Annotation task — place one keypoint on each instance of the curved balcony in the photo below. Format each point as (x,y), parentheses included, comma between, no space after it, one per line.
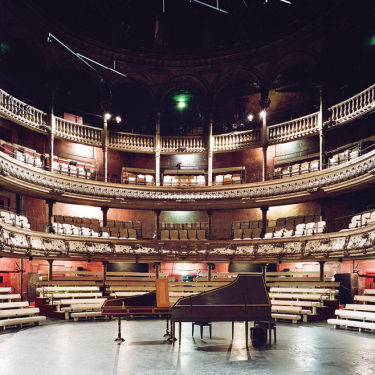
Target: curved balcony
(26,179)
(348,245)
(305,126)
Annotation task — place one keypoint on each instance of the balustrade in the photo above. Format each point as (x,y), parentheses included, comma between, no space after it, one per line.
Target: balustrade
(131,142)
(77,132)
(184,144)
(294,129)
(352,107)
(22,112)
(236,141)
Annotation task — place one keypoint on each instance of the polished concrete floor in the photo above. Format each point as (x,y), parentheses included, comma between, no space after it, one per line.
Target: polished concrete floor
(88,347)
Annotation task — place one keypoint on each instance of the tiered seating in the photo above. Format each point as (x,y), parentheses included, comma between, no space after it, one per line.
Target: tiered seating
(345,156)
(295,169)
(356,316)
(73,169)
(16,313)
(178,180)
(73,301)
(16,220)
(292,303)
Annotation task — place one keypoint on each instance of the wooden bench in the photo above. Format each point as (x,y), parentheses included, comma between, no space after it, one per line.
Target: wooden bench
(5,290)
(9,297)
(17,313)
(64,289)
(364,299)
(369,292)
(301,284)
(357,307)
(311,304)
(86,314)
(71,295)
(293,317)
(298,296)
(321,291)
(70,302)
(81,308)
(351,323)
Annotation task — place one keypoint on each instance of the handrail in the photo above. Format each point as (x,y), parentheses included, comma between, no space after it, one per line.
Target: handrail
(131,142)
(236,141)
(183,144)
(77,132)
(353,107)
(294,129)
(360,292)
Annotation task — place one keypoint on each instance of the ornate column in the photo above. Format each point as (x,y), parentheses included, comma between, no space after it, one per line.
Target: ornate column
(50,261)
(104,266)
(50,204)
(157,150)
(321,269)
(52,124)
(264,103)
(105,105)
(210,150)
(209,273)
(321,130)
(157,220)
(209,214)
(264,210)
(264,269)
(105,215)
(157,270)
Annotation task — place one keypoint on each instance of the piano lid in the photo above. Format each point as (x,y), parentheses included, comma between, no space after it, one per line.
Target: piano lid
(148,299)
(245,290)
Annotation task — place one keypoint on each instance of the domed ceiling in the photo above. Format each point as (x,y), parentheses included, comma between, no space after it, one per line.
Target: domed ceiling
(183,26)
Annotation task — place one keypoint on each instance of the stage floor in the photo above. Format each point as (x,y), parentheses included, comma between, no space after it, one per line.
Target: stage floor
(88,347)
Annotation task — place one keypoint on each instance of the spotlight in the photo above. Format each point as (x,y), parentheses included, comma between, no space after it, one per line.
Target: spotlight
(181,104)
(263,114)
(89,260)
(250,117)
(340,260)
(30,258)
(107,116)
(118,119)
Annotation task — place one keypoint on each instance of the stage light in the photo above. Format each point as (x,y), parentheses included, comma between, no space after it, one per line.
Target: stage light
(263,114)
(118,119)
(250,117)
(181,104)
(107,116)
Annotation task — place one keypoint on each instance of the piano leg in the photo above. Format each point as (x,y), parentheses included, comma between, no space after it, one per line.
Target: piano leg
(168,332)
(179,332)
(269,331)
(119,338)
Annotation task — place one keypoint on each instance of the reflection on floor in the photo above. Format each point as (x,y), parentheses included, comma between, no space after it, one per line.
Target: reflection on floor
(61,347)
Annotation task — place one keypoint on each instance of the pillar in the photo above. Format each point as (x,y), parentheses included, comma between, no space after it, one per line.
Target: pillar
(104,270)
(105,215)
(157,220)
(210,151)
(209,273)
(105,148)
(52,125)
(50,261)
(264,103)
(264,163)
(322,203)
(50,204)
(321,270)
(321,131)
(264,210)
(157,270)
(210,213)
(157,150)
(264,269)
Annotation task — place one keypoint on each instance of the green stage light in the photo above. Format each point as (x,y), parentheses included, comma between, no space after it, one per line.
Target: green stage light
(181,104)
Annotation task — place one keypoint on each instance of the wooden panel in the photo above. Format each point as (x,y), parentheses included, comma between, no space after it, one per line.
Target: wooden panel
(162,293)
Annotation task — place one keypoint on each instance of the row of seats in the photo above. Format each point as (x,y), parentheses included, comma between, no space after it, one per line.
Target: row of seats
(183,234)
(139,179)
(91,222)
(363,219)
(175,226)
(72,230)
(279,232)
(184,180)
(14,312)
(72,170)
(296,169)
(16,220)
(280,222)
(228,179)
(344,157)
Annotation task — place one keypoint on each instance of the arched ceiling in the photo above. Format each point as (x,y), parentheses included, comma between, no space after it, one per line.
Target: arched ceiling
(182,26)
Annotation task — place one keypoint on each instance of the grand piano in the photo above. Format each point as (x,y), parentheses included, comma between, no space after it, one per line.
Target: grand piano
(244,299)
(155,303)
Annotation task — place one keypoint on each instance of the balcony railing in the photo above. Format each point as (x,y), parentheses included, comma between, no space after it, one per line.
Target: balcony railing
(78,133)
(131,142)
(352,107)
(294,129)
(22,113)
(236,141)
(186,144)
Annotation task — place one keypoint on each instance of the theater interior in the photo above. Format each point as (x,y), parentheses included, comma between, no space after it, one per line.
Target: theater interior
(182,161)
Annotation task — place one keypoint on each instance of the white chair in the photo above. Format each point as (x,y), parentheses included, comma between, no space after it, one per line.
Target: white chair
(320,227)
(219,180)
(310,229)
(167,181)
(149,180)
(201,181)
(300,230)
(355,222)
